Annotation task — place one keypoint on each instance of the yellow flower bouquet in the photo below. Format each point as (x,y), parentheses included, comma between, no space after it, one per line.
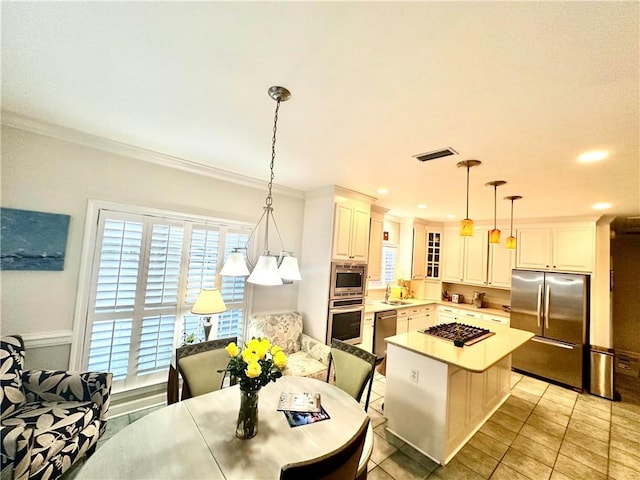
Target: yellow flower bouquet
(256,365)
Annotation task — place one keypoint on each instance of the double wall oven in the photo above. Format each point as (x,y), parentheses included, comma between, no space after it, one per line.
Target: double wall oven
(346,302)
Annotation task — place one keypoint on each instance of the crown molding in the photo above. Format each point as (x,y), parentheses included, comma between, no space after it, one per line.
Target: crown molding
(14,120)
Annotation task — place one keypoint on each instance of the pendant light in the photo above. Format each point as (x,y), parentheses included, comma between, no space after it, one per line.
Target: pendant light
(494,235)
(466,225)
(511,241)
(269,269)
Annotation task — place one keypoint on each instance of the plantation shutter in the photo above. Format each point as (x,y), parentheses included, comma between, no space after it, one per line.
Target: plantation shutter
(148,272)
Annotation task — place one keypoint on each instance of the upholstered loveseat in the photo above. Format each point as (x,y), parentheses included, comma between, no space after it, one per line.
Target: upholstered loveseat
(308,357)
(49,418)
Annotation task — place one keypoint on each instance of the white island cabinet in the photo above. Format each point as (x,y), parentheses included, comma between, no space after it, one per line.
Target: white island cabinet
(438,395)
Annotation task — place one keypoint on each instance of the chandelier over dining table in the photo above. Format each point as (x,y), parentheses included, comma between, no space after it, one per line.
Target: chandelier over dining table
(269,269)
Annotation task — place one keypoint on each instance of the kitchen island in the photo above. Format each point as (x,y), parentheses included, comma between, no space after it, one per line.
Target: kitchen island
(438,395)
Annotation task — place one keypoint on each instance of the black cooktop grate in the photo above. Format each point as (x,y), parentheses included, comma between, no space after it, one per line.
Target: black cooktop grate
(468,333)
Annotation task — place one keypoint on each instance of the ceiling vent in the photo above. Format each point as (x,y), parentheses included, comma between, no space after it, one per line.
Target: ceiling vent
(443,152)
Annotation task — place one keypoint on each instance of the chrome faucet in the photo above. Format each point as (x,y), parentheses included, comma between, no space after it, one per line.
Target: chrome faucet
(387,292)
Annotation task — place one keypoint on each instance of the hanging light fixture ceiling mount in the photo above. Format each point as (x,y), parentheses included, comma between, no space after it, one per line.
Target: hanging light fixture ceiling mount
(494,235)
(466,225)
(268,269)
(511,241)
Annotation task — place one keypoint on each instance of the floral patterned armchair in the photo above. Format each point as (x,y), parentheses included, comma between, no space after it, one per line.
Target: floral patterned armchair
(308,357)
(49,418)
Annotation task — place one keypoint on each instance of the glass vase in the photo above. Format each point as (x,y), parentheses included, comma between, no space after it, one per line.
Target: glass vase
(247,425)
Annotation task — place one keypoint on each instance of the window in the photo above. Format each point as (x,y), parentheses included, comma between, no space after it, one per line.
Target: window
(389,263)
(147,273)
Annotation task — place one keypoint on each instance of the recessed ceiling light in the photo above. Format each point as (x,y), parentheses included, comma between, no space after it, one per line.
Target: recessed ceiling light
(593,156)
(421,205)
(601,206)
(451,215)
(382,191)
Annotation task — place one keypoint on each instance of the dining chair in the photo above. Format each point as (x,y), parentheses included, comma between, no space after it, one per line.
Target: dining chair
(198,364)
(341,464)
(353,369)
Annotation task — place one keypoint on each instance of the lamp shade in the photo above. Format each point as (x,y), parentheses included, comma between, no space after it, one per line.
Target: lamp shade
(466,227)
(265,272)
(235,266)
(511,243)
(209,302)
(494,236)
(289,269)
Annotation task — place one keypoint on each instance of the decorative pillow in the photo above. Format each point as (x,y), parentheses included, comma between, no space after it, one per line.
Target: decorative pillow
(282,329)
(11,367)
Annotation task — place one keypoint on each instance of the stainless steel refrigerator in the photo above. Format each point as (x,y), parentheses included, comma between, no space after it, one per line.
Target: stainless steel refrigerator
(555,307)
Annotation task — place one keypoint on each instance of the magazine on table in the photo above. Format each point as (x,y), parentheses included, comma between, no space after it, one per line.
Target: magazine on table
(299,402)
(296,419)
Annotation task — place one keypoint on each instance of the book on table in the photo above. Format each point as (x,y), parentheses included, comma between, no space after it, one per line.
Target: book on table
(299,402)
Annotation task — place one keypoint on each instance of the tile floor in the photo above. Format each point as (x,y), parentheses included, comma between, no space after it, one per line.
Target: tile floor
(541,432)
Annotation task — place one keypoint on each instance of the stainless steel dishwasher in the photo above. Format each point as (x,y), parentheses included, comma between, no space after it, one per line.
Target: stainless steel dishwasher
(384,325)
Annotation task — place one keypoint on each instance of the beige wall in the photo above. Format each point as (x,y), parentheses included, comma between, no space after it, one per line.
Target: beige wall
(46,174)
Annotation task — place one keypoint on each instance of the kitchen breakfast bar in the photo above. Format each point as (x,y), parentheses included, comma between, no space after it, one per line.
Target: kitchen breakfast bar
(438,395)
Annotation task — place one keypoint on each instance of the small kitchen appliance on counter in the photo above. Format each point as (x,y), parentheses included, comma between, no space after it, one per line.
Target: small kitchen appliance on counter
(457,298)
(478,299)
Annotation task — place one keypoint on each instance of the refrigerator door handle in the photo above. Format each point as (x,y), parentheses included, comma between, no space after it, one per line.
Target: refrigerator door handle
(551,342)
(546,306)
(538,304)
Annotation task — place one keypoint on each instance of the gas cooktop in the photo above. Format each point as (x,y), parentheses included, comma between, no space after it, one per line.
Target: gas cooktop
(451,331)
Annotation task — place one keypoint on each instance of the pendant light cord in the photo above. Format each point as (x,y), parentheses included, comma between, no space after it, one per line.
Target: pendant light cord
(495,205)
(511,226)
(269,200)
(467,191)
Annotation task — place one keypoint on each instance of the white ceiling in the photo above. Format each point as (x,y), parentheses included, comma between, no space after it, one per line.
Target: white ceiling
(523,87)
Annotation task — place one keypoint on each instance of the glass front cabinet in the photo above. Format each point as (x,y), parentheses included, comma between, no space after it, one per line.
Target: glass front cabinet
(434,239)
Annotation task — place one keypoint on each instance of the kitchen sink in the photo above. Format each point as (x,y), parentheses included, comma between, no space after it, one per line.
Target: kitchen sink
(396,302)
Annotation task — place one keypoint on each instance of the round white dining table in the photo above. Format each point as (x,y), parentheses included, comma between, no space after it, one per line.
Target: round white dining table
(195,438)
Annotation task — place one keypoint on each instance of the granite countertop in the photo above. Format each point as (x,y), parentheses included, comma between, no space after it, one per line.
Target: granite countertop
(373,306)
(475,358)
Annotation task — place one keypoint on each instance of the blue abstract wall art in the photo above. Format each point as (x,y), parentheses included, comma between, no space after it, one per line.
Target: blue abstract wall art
(32,240)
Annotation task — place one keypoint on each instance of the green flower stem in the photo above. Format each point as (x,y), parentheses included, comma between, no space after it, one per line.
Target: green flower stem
(247,425)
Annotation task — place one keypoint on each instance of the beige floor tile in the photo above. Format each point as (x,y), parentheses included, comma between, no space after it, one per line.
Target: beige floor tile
(624,431)
(580,454)
(504,472)
(379,388)
(592,444)
(489,445)
(477,460)
(625,458)
(596,402)
(560,397)
(455,470)
(531,388)
(577,470)
(547,411)
(556,475)
(546,425)
(382,449)
(379,474)
(625,445)
(536,450)
(400,466)
(586,408)
(507,421)
(527,466)
(550,406)
(498,432)
(619,471)
(589,429)
(591,420)
(518,413)
(544,438)
(423,460)
(525,395)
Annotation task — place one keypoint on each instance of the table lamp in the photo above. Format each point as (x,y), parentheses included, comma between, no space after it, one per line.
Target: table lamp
(209,302)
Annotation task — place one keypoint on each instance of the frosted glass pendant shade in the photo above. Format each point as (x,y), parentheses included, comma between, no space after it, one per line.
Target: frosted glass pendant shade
(209,302)
(235,266)
(265,272)
(466,227)
(289,269)
(494,236)
(511,243)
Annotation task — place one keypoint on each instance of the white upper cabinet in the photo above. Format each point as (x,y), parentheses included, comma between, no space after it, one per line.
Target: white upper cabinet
(464,259)
(419,253)
(351,231)
(564,247)
(501,261)
(434,252)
